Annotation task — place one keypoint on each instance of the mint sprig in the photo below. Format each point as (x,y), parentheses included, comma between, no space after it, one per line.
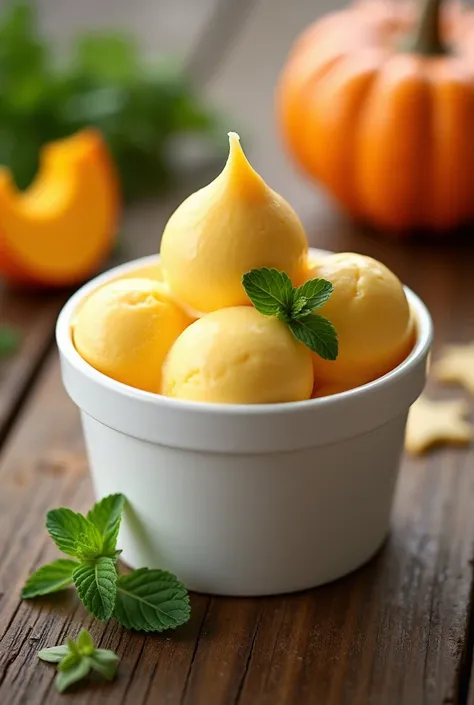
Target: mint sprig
(273,294)
(76,659)
(147,600)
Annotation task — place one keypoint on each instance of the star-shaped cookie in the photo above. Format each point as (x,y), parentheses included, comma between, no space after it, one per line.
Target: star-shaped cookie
(433,423)
(456,364)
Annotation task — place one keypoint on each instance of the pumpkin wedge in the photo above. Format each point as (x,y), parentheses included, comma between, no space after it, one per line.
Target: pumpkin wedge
(59,231)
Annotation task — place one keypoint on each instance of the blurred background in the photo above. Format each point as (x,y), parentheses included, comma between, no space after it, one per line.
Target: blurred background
(233,51)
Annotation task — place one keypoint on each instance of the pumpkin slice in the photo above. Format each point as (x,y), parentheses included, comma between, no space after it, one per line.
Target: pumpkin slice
(59,231)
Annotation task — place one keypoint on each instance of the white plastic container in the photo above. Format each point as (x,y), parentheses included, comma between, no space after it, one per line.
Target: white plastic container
(246,500)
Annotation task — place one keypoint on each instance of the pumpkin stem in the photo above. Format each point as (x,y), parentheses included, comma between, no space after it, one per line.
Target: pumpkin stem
(427,39)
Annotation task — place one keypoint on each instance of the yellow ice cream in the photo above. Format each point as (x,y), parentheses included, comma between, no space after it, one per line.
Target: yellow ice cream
(372,317)
(125,329)
(234,224)
(238,356)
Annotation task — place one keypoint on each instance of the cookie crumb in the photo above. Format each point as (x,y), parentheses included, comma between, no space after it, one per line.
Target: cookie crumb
(456,364)
(431,423)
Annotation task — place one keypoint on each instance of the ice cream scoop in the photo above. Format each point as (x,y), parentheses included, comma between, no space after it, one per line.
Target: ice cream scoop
(238,356)
(235,224)
(372,317)
(125,329)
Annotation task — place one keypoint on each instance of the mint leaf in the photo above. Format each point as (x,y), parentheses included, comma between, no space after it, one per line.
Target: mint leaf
(106,516)
(317,333)
(85,643)
(55,654)
(72,646)
(105,662)
(50,578)
(96,586)
(151,601)
(269,290)
(65,527)
(89,546)
(76,659)
(71,658)
(316,292)
(74,673)
(297,306)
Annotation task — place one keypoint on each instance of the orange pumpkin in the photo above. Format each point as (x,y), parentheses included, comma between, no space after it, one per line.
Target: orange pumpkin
(61,229)
(382,113)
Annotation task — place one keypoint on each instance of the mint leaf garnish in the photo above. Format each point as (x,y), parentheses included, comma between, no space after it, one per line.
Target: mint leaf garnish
(317,333)
(106,516)
(65,527)
(151,601)
(96,586)
(269,290)
(315,293)
(272,294)
(50,578)
(76,659)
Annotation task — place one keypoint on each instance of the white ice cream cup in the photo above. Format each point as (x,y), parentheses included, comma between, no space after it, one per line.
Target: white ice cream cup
(246,500)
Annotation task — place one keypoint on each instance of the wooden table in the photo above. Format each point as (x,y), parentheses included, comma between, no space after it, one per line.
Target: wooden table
(400,631)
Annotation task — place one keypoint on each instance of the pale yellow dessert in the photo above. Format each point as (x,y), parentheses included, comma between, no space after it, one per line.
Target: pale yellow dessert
(125,329)
(235,224)
(371,314)
(238,356)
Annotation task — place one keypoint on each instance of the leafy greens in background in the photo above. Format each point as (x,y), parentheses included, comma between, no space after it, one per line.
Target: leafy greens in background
(9,340)
(139,108)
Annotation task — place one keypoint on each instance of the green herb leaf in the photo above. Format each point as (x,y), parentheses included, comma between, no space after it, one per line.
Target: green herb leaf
(85,643)
(106,516)
(105,662)
(269,290)
(72,646)
(75,673)
(70,660)
(318,334)
(89,546)
(65,527)
(315,292)
(54,654)
(297,306)
(75,660)
(151,601)
(96,586)
(9,340)
(50,578)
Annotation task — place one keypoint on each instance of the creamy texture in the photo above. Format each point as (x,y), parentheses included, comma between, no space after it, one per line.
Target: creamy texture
(125,329)
(235,224)
(237,355)
(372,317)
